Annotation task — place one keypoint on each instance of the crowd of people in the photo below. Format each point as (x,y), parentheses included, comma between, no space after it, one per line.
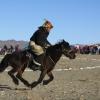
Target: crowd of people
(87,49)
(80,49)
(5,49)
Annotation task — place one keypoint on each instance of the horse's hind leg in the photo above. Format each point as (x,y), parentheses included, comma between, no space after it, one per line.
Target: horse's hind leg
(19,76)
(11,74)
(51,77)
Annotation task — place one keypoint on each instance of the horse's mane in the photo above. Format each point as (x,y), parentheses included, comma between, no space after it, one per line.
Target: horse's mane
(57,45)
(59,42)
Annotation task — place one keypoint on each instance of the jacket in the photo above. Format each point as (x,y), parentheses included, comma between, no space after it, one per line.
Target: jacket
(40,37)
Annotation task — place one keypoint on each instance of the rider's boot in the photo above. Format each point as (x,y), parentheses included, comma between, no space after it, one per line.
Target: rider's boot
(37,64)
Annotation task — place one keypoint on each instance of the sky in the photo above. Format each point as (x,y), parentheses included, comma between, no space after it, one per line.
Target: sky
(76,21)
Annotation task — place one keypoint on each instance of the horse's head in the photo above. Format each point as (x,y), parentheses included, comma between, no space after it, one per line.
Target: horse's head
(66,50)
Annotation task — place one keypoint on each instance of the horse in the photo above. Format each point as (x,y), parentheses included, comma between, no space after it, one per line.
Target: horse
(22,59)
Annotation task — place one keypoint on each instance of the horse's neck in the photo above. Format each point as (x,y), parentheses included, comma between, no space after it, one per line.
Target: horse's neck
(55,54)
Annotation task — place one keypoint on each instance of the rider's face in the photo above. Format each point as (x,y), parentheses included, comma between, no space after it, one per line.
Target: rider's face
(48,28)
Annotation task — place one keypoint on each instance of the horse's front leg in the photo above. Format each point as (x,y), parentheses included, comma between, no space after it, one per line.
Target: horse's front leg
(42,75)
(19,76)
(51,77)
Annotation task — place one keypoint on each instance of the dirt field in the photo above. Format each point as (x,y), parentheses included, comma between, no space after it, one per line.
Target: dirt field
(77,79)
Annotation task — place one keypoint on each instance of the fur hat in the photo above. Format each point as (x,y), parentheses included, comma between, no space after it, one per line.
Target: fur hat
(47,24)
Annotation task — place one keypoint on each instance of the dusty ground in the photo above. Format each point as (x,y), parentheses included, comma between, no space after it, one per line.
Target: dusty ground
(79,80)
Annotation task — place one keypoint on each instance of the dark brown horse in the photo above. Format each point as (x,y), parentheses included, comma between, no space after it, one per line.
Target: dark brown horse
(22,59)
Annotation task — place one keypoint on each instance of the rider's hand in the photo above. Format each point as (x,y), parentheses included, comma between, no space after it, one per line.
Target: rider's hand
(47,46)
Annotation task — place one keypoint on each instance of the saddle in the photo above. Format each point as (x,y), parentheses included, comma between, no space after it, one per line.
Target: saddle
(36,60)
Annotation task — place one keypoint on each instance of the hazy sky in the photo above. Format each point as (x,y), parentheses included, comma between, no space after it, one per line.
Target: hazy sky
(76,21)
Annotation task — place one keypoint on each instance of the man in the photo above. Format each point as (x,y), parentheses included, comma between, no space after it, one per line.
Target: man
(38,42)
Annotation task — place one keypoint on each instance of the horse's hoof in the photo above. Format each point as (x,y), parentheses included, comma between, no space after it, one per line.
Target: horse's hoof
(34,84)
(16,82)
(30,87)
(45,82)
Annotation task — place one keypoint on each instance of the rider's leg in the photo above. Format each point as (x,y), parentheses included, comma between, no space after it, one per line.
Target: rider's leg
(37,50)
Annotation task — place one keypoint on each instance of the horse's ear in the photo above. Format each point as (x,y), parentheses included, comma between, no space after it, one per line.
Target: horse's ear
(63,40)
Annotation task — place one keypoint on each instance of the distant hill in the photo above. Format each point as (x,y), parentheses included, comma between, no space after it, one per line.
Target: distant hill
(22,44)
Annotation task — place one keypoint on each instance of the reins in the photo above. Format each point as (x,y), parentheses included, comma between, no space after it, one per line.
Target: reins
(52,60)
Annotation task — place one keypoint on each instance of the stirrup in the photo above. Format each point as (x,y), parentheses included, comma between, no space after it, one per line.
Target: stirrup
(35,62)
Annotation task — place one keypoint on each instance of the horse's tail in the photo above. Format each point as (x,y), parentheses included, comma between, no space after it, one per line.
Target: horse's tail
(4,63)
